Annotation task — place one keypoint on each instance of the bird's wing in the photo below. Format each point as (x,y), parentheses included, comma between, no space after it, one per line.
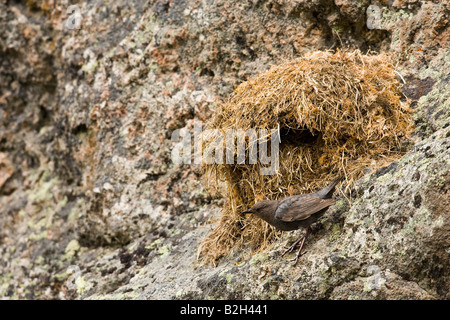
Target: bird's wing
(300,207)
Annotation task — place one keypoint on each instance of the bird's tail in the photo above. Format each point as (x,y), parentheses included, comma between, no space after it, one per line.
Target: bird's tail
(328,191)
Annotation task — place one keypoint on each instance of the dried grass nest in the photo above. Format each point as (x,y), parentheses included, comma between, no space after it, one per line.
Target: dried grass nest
(337,114)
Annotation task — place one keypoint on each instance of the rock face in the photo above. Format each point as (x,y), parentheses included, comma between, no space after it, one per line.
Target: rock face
(92,206)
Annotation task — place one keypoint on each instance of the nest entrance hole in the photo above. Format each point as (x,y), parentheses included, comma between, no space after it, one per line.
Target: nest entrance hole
(299,137)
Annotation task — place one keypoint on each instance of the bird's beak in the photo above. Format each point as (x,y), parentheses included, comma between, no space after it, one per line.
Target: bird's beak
(246,212)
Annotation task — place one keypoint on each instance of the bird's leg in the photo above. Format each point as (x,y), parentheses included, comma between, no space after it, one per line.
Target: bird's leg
(299,252)
(295,244)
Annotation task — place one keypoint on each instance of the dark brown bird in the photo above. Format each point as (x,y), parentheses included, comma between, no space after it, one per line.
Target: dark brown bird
(294,212)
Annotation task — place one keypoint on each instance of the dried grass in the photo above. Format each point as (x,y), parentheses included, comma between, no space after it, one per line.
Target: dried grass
(337,113)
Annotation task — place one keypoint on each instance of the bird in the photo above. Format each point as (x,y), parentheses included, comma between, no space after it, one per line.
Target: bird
(295,212)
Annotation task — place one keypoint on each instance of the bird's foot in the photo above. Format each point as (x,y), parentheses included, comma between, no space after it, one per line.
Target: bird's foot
(292,247)
(299,254)
(301,240)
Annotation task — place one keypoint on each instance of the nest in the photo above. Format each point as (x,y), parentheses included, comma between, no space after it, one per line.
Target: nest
(335,113)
